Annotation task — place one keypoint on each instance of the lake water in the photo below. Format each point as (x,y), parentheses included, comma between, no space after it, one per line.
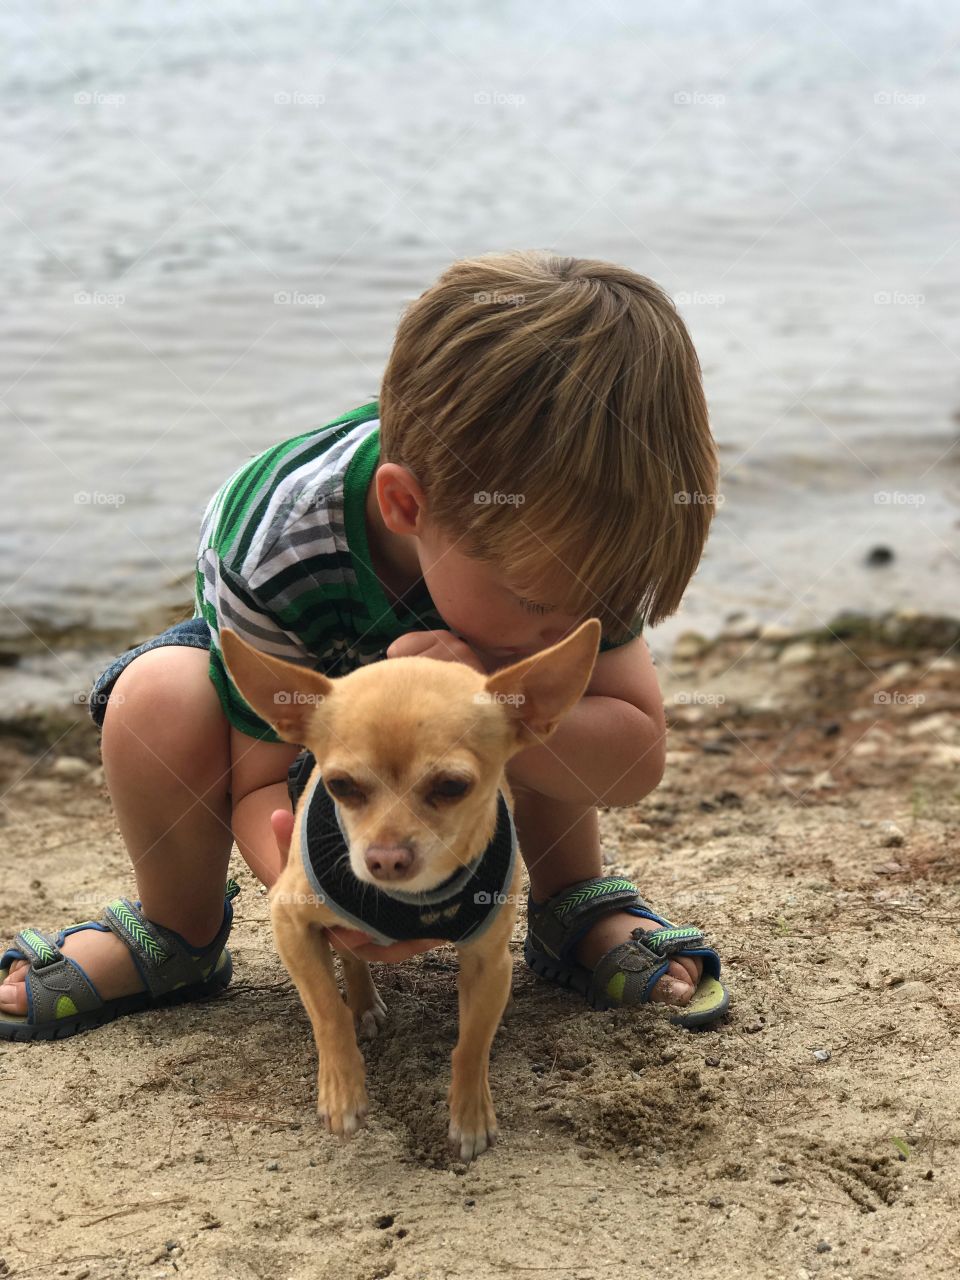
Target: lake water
(789,173)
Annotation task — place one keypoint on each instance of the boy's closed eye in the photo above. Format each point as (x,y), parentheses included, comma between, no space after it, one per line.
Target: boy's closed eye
(533,606)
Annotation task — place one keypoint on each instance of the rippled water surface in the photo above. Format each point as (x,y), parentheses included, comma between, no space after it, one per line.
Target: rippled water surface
(789,173)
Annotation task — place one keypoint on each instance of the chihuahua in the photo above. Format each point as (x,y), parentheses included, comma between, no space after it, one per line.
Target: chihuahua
(405,830)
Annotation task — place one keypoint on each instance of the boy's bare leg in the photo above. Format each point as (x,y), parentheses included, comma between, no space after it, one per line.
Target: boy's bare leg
(166,759)
(560,844)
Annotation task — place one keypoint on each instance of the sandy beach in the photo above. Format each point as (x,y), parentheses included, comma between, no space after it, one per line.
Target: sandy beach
(808,820)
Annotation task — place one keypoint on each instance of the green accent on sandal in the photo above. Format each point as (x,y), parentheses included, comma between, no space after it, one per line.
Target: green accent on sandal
(65,1007)
(45,953)
(615,986)
(143,936)
(578,897)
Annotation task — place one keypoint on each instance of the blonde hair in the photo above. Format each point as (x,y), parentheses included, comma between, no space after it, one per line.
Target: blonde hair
(569,392)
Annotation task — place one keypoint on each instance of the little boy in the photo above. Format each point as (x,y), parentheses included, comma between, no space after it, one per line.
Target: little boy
(540,453)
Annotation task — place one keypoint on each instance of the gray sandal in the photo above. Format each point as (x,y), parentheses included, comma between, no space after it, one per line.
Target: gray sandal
(61,999)
(627,974)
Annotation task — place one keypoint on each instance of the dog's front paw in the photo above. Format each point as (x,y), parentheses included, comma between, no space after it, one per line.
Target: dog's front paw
(473,1123)
(341,1099)
(368,1021)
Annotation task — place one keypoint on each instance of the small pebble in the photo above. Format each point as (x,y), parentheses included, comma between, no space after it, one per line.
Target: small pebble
(272,1166)
(753,1027)
(822,1055)
(891,837)
(797,654)
(70,767)
(878,556)
(468,1204)
(823,1247)
(712,1062)
(715,1202)
(385,1220)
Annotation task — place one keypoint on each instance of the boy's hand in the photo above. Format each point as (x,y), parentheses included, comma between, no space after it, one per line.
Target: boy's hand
(435,644)
(351,941)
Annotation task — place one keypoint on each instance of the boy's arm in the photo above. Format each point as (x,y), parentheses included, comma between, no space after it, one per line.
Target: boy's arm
(610,749)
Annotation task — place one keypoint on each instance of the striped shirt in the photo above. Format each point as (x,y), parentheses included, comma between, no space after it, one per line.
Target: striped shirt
(283,560)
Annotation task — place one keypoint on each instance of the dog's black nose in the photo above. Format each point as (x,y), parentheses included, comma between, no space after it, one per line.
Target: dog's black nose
(389,862)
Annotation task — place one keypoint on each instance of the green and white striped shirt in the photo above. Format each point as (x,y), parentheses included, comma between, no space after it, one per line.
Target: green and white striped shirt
(283,560)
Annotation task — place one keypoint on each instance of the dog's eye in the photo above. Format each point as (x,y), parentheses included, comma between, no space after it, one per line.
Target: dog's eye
(449,789)
(343,788)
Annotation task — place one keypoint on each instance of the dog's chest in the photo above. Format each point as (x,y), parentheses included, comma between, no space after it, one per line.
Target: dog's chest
(458,910)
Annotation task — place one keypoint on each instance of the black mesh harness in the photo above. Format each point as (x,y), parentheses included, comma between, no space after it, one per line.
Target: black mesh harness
(457,910)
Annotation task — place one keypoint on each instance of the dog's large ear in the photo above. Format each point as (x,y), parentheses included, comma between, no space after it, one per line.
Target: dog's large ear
(538,691)
(283,694)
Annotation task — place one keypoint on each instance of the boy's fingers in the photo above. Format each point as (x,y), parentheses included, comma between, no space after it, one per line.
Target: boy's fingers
(281,820)
(410,644)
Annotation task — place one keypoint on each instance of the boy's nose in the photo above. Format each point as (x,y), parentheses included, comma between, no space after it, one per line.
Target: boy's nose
(389,862)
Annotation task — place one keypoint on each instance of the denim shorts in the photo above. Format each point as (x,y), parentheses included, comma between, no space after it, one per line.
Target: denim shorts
(193,632)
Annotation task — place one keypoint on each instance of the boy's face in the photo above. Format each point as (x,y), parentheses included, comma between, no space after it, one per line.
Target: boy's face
(480,606)
(495,616)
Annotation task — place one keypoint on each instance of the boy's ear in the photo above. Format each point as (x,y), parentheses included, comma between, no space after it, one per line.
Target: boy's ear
(538,691)
(283,694)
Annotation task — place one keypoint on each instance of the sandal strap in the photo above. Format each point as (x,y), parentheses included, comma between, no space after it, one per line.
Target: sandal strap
(166,960)
(59,990)
(628,971)
(558,924)
(39,948)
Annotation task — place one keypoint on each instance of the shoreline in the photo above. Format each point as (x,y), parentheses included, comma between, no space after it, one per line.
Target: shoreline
(53,710)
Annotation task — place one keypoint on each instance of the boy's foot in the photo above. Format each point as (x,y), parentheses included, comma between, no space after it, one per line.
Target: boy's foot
(600,938)
(683,973)
(94,971)
(102,956)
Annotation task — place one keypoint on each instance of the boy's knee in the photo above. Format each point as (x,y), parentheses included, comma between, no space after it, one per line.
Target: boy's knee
(166,694)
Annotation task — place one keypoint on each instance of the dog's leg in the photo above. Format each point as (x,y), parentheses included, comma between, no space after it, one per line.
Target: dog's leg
(363,998)
(341,1092)
(484,986)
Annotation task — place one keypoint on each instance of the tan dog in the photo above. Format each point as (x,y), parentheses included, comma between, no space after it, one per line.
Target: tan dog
(413,752)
